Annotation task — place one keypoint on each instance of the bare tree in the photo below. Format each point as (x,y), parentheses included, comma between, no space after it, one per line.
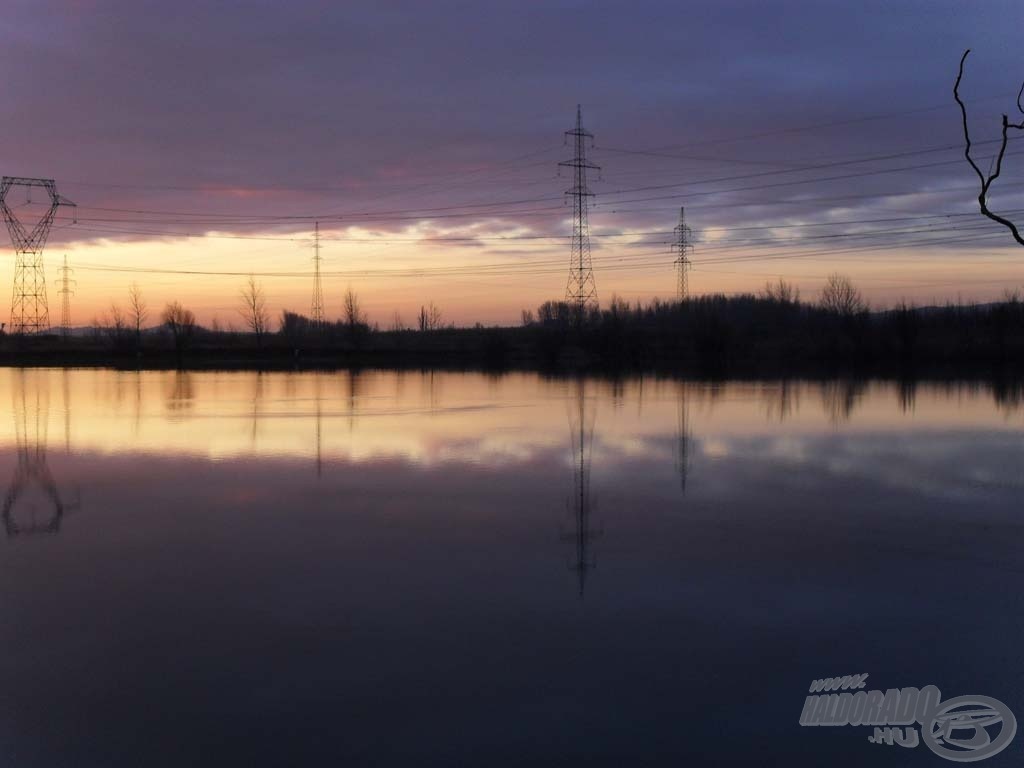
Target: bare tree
(430,317)
(396,323)
(254,309)
(997,165)
(114,325)
(181,323)
(781,292)
(137,310)
(354,316)
(840,296)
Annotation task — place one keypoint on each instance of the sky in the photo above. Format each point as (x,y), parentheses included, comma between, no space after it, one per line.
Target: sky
(203,142)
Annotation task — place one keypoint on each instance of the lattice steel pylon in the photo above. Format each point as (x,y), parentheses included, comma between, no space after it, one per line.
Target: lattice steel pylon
(580,290)
(66,291)
(683,249)
(317,311)
(29,310)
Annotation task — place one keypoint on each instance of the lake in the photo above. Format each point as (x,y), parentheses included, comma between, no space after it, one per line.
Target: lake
(428,568)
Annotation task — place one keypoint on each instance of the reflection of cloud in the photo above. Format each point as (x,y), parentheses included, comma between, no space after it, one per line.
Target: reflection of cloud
(716,448)
(926,463)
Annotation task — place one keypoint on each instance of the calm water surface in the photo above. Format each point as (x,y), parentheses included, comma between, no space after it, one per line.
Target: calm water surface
(412,569)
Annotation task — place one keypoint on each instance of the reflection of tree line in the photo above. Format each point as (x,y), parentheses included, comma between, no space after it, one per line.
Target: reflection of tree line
(840,398)
(350,394)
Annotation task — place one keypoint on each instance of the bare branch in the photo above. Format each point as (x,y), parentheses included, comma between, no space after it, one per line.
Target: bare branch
(986,181)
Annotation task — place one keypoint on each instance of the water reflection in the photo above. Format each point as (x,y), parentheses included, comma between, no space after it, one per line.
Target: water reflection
(33,503)
(907,394)
(781,400)
(839,399)
(319,427)
(180,395)
(683,438)
(582,416)
(221,589)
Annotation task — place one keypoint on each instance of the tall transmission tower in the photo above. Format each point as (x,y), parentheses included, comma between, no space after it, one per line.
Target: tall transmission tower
(683,247)
(580,290)
(29,311)
(66,290)
(317,312)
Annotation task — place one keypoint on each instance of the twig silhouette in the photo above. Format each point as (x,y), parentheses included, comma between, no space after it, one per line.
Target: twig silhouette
(993,174)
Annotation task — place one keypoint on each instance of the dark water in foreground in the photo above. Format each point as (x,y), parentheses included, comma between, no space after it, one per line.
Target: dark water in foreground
(454,569)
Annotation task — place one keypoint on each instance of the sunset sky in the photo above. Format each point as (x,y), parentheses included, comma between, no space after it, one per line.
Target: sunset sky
(201,141)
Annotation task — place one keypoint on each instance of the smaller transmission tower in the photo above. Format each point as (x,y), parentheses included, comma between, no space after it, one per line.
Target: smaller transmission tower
(317,312)
(580,290)
(29,311)
(66,291)
(683,248)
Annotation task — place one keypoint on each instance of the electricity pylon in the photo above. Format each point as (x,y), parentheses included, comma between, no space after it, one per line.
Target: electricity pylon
(317,312)
(66,291)
(683,248)
(580,290)
(29,311)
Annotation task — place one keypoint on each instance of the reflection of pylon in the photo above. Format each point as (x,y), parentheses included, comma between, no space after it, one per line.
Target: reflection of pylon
(29,310)
(683,437)
(319,456)
(32,469)
(581,431)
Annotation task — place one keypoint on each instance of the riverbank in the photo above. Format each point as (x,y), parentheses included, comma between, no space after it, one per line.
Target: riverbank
(710,337)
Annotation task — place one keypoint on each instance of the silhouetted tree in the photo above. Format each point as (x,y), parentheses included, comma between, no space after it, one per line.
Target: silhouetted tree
(997,165)
(138,311)
(181,322)
(115,326)
(781,292)
(841,297)
(430,317)
(354,316)
(254,309)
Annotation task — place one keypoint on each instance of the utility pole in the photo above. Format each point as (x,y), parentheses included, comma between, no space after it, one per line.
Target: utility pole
(66,291)
(318,289)
(29,310)
(580,290)
(683,247)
